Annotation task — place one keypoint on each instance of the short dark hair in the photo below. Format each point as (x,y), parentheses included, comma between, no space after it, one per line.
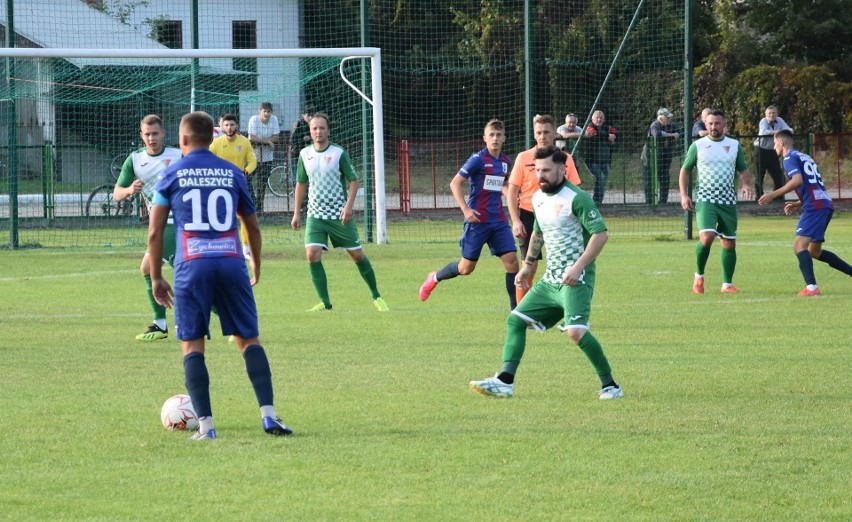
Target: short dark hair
(323,116)
(496,124)
(266,105)
(229,117)
(785,135)
(544,119)
(308,109)
(198,126)
(716,112)
(559,157)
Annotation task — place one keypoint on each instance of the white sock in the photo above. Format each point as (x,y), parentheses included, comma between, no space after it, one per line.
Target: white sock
(161,324)
(699,276)
(812,287)
(726,285)
(205,424)
(268,411)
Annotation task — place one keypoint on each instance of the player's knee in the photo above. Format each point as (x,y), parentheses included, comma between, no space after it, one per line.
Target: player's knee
(466,267)
(513,322)
(575,334)
(357,255)
(144,267)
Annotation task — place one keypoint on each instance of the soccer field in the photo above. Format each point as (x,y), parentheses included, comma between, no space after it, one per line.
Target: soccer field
(736,407)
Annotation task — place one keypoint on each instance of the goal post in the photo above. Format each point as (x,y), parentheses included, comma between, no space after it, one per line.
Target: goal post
(113,88)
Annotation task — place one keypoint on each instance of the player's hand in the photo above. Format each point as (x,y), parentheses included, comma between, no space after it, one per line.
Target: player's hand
(518,229)
(522,280)
(296,223)
(789,208)
(137,186)
(346,214)
(686,203)
(764,199)
(255,270)
(471,215)
(573,275)
(746,192)
(162,292)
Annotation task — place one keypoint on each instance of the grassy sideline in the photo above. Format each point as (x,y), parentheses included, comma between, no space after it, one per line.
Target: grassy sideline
(736,407)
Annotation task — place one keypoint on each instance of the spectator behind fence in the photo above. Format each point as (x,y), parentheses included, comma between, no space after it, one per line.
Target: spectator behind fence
(662,138)
(765,157)
(699,129)
(263,133)
(599,139)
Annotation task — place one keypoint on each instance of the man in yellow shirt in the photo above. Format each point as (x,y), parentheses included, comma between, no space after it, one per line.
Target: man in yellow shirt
(237,149)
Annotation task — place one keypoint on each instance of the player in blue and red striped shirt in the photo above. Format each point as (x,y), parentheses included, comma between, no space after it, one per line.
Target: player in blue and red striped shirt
(484,217)
(817,209)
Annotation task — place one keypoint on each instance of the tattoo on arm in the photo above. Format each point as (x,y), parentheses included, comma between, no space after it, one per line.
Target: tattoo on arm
(534,249)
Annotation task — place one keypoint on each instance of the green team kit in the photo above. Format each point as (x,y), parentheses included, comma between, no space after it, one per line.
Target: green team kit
(566,219)
(146,167)
(718,161)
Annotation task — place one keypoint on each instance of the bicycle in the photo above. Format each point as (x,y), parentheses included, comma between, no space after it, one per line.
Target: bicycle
(279,181)
(101,202)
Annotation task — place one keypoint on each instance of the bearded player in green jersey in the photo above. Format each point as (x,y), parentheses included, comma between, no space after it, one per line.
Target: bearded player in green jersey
(717,158)
(569,224)
(139,174)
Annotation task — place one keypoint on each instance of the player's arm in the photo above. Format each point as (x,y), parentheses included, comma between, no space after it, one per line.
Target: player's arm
(513,201)
(255,243)
(156,228)
(685,173)
(300,192)
(745,175)
(791,185)
(251,161)
(348,171)
(127,184)
(457,187)
(522,279)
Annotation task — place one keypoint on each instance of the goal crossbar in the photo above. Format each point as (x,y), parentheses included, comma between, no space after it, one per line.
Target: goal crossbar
(372,53)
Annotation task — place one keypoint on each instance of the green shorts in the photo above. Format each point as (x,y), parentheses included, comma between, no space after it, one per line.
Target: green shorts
(318,232)
(547,304)
(721,219)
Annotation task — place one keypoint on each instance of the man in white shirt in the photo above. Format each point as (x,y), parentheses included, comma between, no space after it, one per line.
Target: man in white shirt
(263,133)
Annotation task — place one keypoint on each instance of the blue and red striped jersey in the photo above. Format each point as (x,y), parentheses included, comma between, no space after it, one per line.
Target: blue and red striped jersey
(486,175)
(812,191)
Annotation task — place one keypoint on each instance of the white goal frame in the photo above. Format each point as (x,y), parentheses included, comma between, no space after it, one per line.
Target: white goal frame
(346,53)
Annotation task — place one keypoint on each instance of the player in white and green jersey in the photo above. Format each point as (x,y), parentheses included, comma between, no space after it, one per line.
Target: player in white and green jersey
(139,175)
(718,158)
(570,226)
(326,175)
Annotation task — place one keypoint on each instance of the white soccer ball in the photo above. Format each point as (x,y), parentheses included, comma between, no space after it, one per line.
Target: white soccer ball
(178,414)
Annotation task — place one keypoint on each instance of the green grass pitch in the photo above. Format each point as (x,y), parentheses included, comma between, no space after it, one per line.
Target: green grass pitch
(737,407)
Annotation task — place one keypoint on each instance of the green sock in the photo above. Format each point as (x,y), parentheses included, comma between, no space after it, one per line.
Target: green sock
(516,343)
(369,276)
(159,310)
(701,254)
(592,348)
(729,263)
(320,282)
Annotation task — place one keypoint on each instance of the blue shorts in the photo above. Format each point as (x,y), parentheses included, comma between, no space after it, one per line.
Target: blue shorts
(497,235)
(222,282)
(813,223)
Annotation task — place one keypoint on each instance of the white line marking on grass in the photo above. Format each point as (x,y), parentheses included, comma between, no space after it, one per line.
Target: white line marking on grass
(75,274)
(30,317)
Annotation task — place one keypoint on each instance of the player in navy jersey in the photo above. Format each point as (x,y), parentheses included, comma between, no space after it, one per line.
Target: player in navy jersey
(484,217)
(817,209)
(209,197)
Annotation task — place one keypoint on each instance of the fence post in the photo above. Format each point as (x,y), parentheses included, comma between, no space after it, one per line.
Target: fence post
(48,187)
(404,168)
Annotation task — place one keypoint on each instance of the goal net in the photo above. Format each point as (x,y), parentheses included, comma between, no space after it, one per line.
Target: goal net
(74,117)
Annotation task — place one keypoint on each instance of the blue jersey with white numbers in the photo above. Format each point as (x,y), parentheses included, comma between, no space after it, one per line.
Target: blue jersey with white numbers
(205,194)
(486,175)
(812,191)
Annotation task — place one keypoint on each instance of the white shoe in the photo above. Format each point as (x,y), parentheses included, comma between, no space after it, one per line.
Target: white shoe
(610,392)
(493,387)
(203,436)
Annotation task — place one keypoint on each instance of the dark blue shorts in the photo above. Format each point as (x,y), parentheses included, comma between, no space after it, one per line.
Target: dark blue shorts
(813,223)
(222,282)
(497,235)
